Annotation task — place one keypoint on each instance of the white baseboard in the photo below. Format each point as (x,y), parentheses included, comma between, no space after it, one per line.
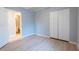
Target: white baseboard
(35,34)
(78,46)
(28,35)
(73,42)
(43,35)
(12,36)
(2,44)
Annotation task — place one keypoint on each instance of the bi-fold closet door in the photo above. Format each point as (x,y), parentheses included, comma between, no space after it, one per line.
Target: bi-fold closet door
(59,24)
(54,24)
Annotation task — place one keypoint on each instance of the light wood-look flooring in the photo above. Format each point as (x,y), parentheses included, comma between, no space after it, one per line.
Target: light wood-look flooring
(39,43)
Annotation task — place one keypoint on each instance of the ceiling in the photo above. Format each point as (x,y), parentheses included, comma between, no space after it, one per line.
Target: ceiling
(27,7)
(35,9)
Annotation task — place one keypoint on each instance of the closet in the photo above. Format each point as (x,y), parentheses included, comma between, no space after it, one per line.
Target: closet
(59,24)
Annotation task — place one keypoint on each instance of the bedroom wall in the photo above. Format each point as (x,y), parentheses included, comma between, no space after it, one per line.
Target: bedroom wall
(4,36)
(37,22)
(73,24)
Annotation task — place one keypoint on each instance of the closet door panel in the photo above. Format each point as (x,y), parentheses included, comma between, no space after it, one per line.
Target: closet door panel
(53,24)
(64,24)
(61,24)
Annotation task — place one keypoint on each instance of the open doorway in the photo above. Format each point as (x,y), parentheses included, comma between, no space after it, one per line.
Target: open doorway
(17,20)
(15,28)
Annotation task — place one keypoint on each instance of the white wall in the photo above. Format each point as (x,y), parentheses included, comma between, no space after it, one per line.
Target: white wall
(73,24)
(3,27)
(42,22)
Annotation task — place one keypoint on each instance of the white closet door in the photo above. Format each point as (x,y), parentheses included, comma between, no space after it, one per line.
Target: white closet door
(54,24)
(64,24)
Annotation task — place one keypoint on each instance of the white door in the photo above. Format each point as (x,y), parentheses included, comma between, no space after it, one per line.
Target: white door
(11,24)
(64,24)
(54,24)
(59,24)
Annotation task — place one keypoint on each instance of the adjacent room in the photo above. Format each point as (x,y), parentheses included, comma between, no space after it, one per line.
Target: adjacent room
(39,29)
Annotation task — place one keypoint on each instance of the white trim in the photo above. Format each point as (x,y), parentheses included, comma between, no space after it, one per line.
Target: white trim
(10,36)
(43,35)
(20,24)
(73,42)
(2,44)
(28,35)
(78,46)
(20,14)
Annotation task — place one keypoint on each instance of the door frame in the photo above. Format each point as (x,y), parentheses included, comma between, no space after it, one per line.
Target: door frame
(20,14)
